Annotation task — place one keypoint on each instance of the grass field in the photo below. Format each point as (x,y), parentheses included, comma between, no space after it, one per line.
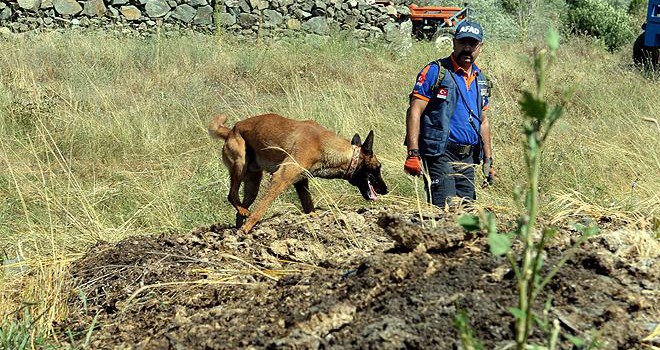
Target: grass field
(103,138)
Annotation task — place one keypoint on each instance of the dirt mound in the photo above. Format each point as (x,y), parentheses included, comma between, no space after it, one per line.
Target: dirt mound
(366,279)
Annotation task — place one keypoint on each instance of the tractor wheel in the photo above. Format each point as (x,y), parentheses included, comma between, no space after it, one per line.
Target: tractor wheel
(442,38)
(647,57)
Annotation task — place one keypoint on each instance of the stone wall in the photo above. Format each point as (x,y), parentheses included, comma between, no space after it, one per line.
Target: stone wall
(362,19)
(24,15)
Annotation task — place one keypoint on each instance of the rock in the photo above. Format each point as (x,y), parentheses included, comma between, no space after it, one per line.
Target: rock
(391,31)
(131,13)
(226,19)
(31,5)
(198,3)
(184,13)
(351,21)
(293,24)
(5,14)
(245,7)
(320,4)
(46,4)
(119,2)
(114,13)
(157,8)
(259,4)
(247,20)
(67,7)
(404,44)
(95,8)
(375,33)
(403,10)
(316,25)
(302,14)
(204,15)
(272,18)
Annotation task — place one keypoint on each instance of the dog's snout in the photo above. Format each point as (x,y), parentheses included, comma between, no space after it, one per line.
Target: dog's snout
(383,190)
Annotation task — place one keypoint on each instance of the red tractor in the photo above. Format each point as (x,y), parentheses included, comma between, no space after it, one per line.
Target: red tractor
(434,22)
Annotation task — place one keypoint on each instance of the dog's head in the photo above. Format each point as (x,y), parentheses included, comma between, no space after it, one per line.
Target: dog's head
(367,176)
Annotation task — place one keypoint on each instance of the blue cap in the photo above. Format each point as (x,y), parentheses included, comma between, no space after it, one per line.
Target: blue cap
(468,29)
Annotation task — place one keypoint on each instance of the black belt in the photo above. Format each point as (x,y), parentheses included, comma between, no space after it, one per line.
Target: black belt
(459,149)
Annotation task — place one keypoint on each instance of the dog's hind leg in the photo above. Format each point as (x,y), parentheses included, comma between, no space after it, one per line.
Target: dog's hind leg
(302,188)
(282,178)
(251,183)
(234,157)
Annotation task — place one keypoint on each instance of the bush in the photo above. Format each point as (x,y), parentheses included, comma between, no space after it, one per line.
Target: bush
(637,12)
(598,18)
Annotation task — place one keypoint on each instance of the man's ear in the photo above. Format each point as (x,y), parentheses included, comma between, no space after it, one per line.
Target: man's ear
(367,147)
(356,140)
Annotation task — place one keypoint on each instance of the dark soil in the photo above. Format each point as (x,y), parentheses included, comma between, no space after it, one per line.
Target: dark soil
(368,279)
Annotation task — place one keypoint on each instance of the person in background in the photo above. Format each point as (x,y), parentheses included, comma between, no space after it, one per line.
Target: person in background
(447,128)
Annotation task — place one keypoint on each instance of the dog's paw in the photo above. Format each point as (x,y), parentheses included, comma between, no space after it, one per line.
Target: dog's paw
(243,212)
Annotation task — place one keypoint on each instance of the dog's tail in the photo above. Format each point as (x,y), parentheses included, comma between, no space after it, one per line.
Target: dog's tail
(217,128)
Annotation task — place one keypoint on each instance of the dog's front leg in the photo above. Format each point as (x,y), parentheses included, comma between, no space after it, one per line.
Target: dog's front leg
(302,188)
(282,178)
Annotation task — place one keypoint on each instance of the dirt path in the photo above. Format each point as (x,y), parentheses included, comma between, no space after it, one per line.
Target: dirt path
(366,279)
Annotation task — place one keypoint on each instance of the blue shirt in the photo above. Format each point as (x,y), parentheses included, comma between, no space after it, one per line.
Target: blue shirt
(460,130)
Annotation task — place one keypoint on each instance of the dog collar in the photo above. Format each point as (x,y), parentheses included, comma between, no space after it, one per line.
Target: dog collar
(354,163)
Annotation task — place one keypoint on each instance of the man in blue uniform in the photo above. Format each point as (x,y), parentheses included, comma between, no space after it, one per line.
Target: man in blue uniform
(447,126)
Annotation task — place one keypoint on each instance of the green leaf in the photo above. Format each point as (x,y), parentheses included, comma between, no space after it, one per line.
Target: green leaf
(517,313)
(549,233)
(555,113)
(492,225)
(579,342)
(590,230)
(517,193)
(533,107)
(499,244)
(587,231)
(469,222)
(552,38)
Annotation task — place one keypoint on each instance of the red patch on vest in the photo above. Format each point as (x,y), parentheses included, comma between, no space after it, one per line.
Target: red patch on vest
(442,93)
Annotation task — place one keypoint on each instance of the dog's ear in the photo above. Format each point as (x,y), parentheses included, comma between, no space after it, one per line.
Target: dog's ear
(367,147)
(356,140)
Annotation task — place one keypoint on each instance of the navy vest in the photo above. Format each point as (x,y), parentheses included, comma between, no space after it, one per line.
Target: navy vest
(434,123)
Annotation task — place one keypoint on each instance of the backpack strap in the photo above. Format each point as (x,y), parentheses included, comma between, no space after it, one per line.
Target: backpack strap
(441,74)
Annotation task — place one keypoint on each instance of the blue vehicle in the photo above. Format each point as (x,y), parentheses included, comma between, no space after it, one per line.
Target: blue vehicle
(646,50)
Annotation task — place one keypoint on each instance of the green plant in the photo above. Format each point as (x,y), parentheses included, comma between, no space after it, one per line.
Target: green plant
(637,7)
(600,19)
(17,331)
(539,119)
(462,323)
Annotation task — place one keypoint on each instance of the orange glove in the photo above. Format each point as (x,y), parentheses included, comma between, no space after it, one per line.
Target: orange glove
(413,165)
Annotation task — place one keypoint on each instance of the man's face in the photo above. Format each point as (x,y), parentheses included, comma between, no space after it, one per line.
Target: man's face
(466,51)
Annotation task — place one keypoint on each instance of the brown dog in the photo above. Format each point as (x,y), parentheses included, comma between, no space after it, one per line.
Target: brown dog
(291,151)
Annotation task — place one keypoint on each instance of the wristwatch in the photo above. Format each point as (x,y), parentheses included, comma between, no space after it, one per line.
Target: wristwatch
(413,152)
